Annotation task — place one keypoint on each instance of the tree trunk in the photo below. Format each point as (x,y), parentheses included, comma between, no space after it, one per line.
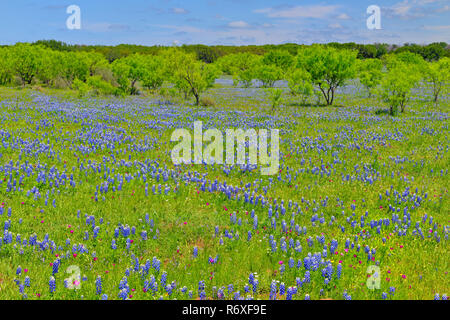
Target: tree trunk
(325,95)
(197,98)
(332,96)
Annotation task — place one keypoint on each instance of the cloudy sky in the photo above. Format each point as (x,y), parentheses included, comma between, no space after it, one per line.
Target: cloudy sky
(228,22)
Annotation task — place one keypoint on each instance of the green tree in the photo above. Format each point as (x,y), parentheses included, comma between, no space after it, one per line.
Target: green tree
(241,66)
(6,67)
(370,73)
(397,84)
(74,66)
(128,71)
(153,75)
(188,73)
(25,61)
(299,83)
(438,75)
(49,66)
(268,74)
(329,68)
(279,58)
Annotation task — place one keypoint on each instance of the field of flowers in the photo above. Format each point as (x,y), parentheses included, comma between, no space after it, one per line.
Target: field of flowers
(88,188)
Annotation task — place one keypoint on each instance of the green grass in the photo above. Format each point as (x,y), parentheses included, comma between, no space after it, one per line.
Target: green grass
(352,131)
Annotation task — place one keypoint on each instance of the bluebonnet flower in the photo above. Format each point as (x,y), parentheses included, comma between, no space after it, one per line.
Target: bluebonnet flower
(282,269)
(251,278)
(123,294)
(339,271)
(156,264)
(291,263)
(163,279)
(168,289)
(329,271)
(98,285)
(55,267)
(307,263)
(273,245)
(282,289)
(307,277)
(273,290)
(52,284)
(289,294)
(255,285)
(392,290)
(27,281)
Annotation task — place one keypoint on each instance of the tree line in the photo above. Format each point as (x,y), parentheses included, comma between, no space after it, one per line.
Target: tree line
(431,52)
(308,70)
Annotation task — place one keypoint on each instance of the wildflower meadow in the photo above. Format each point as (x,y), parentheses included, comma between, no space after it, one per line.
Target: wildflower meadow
(92,206)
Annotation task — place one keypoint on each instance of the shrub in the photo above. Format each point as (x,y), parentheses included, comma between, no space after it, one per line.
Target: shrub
(274,96)
(100,86)
(207,102)
(60,83)
(81,87)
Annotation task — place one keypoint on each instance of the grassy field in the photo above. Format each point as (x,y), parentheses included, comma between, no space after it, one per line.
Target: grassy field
(88,184)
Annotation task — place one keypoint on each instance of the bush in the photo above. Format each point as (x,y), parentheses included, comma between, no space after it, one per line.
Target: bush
(81,87)
(274,96)
(106,74)
(100,86)
(60,83)
(207,102)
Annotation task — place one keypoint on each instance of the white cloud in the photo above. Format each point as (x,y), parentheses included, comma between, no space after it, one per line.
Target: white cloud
(314,11)
(401,8)
(443,9)
(343,16)
(335,26)
(185,29)
(105,27)
(437,27)
(179,11)
(413,9)
(238,24)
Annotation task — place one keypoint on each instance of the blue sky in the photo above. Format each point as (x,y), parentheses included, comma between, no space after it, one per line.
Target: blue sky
(228,22)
